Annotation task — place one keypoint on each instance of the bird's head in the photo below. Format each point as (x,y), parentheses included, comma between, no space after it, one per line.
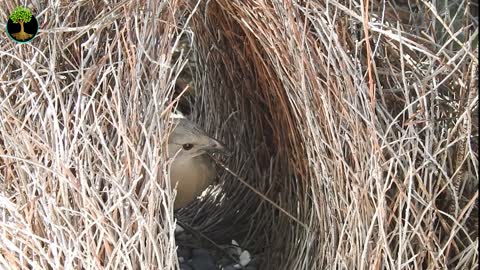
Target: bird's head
(187,140)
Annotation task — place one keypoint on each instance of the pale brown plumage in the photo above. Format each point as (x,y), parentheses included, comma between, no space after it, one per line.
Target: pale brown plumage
(192,169)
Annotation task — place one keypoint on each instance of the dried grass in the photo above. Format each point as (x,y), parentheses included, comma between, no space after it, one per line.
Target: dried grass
(360,137)
(82,128)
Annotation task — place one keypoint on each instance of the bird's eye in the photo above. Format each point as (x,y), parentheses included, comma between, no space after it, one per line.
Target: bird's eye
(187,146)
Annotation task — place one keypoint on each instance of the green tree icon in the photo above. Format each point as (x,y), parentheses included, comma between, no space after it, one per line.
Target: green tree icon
(21,15)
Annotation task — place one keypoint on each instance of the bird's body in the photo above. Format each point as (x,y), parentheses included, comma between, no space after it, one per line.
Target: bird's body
(191,177)
(192,169)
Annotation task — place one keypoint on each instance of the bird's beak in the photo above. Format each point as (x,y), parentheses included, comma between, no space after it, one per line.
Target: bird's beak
(218,147)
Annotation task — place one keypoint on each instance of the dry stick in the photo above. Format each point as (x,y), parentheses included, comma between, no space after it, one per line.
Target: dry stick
(261,194)
(169,106)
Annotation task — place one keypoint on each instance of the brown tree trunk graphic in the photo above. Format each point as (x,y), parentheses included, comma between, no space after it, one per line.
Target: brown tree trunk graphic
(22,35)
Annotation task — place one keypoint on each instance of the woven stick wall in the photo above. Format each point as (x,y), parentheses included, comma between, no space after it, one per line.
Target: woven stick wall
(83,111)
(369,144)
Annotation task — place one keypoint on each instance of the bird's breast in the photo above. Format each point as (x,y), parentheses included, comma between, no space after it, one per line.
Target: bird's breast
(192,176)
